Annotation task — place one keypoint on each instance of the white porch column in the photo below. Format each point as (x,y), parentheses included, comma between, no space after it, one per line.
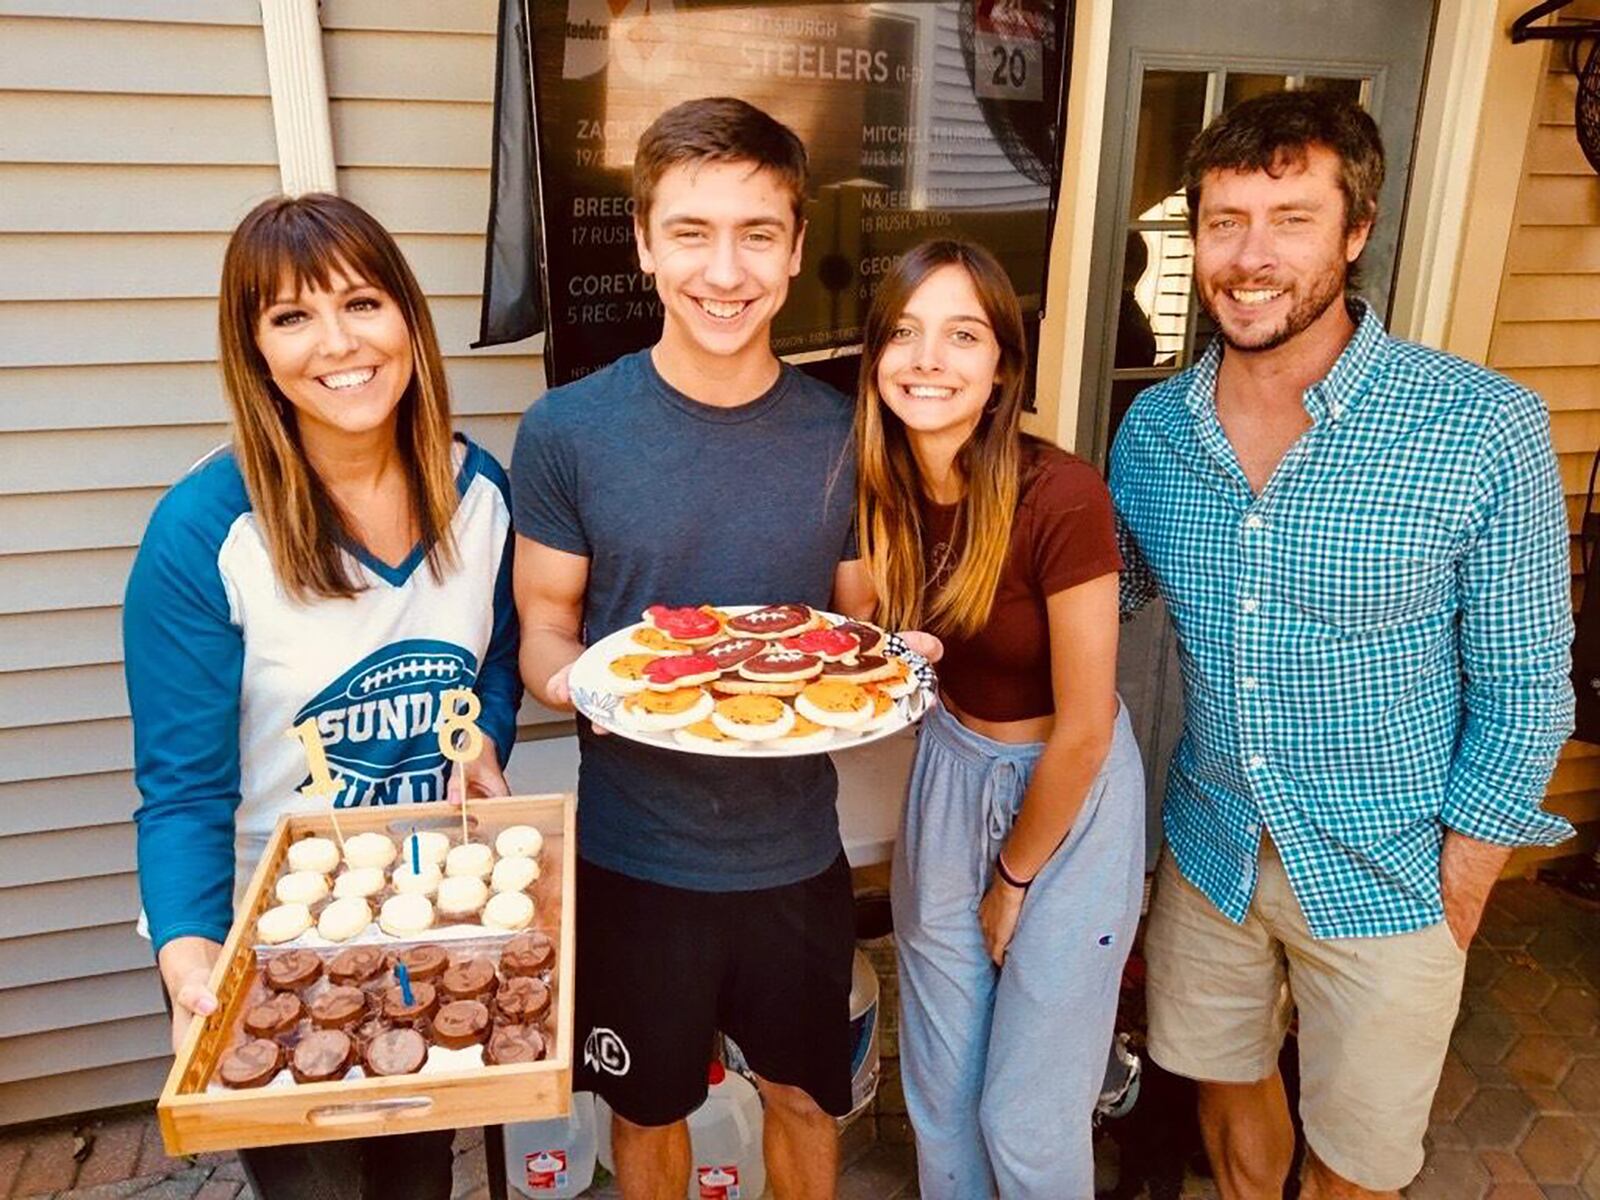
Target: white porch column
(299,86)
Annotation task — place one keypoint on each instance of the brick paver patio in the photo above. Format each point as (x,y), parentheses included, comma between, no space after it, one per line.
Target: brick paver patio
(1517,1115)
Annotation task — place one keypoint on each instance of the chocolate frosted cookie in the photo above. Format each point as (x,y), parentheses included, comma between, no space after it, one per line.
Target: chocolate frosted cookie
(292,971)
(774,621)
(870,636)
(424,963)
(780,666)
(424,1003)
(321,1055)
(469,979)
(869,668)
(514,1044)
(339,1007)
(460,1024)
(528,954)
(252,1064)
(396,1052)
(275,1016)
(522,1001)
(357,965)
(730,652)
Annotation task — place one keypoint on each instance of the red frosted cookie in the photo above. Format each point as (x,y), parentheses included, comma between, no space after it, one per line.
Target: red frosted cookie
(680,670)
(774,621)
(692,625)
(870,636)
(830,645)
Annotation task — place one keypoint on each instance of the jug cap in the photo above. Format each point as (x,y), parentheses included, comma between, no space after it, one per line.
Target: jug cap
(715,1073)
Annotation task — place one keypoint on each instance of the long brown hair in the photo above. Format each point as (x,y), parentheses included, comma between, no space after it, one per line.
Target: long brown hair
(888,512)
(302,242)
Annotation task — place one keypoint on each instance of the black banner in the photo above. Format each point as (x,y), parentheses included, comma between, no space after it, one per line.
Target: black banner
(921,120)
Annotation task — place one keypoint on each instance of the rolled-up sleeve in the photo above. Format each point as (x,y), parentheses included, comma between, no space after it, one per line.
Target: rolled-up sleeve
(1516,639)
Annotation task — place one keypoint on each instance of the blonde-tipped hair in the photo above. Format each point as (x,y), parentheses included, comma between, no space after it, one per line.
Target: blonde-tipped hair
(295,244)
(889,489)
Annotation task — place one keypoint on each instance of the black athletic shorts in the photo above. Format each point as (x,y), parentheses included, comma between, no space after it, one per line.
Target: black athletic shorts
(662,969)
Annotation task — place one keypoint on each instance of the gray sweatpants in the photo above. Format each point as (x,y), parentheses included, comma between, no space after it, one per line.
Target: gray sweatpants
(1002,1068)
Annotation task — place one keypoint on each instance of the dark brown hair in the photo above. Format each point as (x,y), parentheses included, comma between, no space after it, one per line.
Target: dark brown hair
(295,244)
(1273,132)
(718,129)
(888,522)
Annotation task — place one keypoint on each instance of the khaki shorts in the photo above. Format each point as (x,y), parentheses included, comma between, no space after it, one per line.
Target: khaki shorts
(1375,1016)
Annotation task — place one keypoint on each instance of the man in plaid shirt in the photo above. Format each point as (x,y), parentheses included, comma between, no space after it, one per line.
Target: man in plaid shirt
(1362,544)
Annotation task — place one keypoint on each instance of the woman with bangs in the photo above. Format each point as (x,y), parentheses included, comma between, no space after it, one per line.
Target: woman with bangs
(342,564)
(1019,868)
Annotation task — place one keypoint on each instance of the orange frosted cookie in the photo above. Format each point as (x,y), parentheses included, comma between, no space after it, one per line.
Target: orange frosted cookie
(807,734)
(625,675)
(648,637)
(835,704)
(753,718)
(658,712)
(705,734)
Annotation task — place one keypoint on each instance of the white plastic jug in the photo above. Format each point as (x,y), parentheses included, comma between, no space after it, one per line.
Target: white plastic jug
(725,1140)
(554,1159)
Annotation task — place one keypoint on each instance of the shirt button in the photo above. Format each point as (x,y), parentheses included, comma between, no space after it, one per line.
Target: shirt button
(1249,683)
(1249,604)
(1253,522)
(1257,762)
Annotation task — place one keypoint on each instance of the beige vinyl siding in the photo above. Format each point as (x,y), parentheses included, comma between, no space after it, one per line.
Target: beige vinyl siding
(1547,336)
(411,99)
(132,137)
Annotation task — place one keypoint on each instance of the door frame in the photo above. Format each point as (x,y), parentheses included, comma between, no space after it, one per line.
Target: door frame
(1478,99)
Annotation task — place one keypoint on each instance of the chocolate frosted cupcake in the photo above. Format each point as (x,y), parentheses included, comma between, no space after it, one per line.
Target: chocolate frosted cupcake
(362,1034)
(357,965)
(321,1055)
(275,1016)
(522,1001)
(396,1052)
(424,963)
(292,971)
(251,1065)
(469,979)
(340,1008)
(460,1024)
(528,954)
(395,1010)
(514,1044)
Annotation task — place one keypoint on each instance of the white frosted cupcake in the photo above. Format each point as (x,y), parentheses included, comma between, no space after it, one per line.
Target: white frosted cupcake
(461,896)
(513,874)
(317,854)
(473,858)
(410,883)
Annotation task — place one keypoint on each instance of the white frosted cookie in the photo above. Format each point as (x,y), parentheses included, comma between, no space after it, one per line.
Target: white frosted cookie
(462,896)
(519,841)
(508,910)
(513,874)
(344,918)
(369,850)
(317,854)
(359,881)
(284,923)
(432,846)
(301,887)
(412,884)
(403,915)
(473,858)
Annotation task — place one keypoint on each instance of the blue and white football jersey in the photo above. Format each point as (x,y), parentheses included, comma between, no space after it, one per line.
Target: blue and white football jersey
(222,665)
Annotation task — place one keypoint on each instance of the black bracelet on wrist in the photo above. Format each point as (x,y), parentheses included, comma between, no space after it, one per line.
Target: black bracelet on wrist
(1006,876)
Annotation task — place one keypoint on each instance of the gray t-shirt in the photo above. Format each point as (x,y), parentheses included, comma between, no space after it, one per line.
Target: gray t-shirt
(677,502)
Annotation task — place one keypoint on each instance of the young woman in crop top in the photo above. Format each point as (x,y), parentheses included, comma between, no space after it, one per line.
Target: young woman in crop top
(1019,866)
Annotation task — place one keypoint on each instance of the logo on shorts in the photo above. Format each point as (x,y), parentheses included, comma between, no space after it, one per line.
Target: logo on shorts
(603,1051)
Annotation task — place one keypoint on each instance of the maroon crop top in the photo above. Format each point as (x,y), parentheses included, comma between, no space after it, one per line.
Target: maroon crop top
(1063,535)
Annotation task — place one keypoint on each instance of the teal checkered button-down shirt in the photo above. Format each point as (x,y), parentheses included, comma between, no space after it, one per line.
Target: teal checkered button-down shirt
(1375,648)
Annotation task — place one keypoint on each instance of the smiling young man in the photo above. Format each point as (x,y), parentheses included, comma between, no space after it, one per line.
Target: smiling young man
(1363,547)
(712,894)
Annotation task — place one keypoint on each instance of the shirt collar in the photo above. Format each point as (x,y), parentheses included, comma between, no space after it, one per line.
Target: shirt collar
(1329,398)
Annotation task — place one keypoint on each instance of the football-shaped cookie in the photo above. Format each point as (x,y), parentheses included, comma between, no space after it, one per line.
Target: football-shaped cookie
(774,621)
(830,645)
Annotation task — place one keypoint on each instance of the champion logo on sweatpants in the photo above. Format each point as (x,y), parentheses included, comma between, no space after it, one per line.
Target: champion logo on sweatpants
(604,1051)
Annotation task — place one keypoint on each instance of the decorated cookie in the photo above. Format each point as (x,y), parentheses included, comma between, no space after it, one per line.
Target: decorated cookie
(625,674)
(652,641)
(830,645)
(658,712)
(695,626)
(867,668)
(730,652)
(780,666)
(705,735)
(680,670)
(737,685)
(883,710)
(806,733)
(900,682)
(774,621)
(753,718)
(870,636)
(837,705)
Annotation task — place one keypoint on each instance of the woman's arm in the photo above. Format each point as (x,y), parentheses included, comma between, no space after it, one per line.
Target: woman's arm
(1083,669)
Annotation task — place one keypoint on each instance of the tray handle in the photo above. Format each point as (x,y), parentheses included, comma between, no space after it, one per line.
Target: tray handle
(369,1111)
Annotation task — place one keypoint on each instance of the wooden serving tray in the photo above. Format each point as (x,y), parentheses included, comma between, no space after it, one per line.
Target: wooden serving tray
(195,1119)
